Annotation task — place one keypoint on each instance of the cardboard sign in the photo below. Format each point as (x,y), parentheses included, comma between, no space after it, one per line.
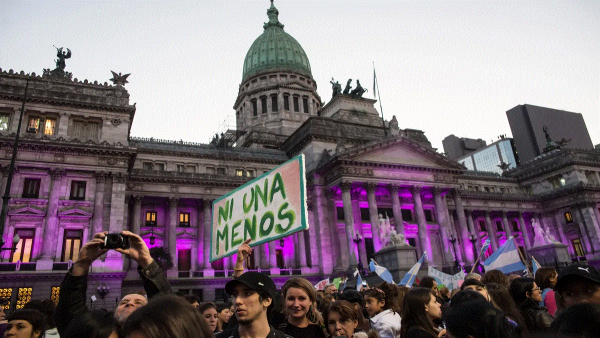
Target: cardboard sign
(450,281)
(267,208)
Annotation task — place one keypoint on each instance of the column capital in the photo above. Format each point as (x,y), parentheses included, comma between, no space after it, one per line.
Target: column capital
(393,188)
(128,198)
(355,194)
(370,187)
(56,174)
(346,186)
(100,176)
(173,202)
(436,191)
(207,203)
(137,199)
(416,189)
(119,178)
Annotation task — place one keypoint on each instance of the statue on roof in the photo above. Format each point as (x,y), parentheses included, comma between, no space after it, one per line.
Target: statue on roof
(348,87)
(550,144)
(119,79)
(336,87)
(358,91)
(62,56)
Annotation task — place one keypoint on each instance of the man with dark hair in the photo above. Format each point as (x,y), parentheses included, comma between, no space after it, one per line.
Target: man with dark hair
(430,283)
(579,284)
(72,298)
(252,293)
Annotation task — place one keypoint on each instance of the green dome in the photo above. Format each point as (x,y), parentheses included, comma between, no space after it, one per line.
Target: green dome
(275,50)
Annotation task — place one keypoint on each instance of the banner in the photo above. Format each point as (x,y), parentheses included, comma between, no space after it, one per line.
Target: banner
(267,208)
(450,281)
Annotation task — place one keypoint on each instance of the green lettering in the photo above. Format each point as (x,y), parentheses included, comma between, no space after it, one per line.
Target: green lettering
(290,215)
(234,234)
(248,206)
(250,228)
(277,186)
(267,216)
(262,194)
(223,213)
(224,236)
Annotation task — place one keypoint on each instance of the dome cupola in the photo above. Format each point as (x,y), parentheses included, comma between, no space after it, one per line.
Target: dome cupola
(275,50)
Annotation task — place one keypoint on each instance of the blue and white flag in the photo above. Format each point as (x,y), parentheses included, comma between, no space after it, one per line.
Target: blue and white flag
(505,259)
(535,265)
(411,275)
(485,246)
(358,280)
(382,272)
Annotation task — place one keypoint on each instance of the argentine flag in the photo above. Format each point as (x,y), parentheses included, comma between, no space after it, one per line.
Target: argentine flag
(382,272)
(411,275)
(358,280)
(535,265)
(505,259)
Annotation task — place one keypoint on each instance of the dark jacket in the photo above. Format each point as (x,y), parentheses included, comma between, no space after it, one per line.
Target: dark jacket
(72,295)
(235,333)
(536,317)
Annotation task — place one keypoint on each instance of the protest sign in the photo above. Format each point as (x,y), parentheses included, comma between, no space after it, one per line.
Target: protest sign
(267,208)
(450,281)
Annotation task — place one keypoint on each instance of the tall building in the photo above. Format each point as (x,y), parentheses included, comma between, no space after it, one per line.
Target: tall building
(78,171)
(527,124)
(456,147)
(496,157)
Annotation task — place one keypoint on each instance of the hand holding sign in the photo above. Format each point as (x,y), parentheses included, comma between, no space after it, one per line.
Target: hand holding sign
(242,254)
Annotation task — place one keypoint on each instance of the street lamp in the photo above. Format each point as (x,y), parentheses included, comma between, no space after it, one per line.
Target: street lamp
(473,240)
(358,239)
(103,290)
(453,240)
(16,239)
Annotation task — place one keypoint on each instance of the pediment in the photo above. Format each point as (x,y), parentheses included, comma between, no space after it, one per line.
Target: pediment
(27,210)
(75,211)
(401,152)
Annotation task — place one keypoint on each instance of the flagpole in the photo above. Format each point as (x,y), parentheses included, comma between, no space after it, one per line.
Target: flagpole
(523,260)
(376,85)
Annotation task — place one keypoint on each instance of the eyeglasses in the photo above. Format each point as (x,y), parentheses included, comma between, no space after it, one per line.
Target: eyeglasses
(536,289)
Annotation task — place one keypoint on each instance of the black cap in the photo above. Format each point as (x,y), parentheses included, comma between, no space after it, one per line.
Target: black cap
(254,281)
(585,271)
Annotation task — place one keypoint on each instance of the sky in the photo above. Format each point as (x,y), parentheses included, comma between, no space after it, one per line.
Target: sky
(444,67)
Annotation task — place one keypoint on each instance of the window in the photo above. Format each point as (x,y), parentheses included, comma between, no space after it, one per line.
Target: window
(263,103)
(279,256)
(428,215)
(244,173)
(190,169)
(84,130)
(274,106)
(286,102)
(221,171)
(364,214)
(4,122)
(6,295)
(184,219)
(296,104)
(23,297)
(239,172)
(159,166)
(49,126)
(305,105)
(71,245)
(482,226)
(31,188)
(77,190)
(407,215)
(34,124)
(568,217)
(151,218)
(54,294)
(499,226)
(184,259)
(577,247)
(254,107)
(24,247)
(340,213)
(515,226)
(180,168)
(147,165)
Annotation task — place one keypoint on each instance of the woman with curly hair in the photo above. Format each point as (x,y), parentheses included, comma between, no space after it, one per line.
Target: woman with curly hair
(381,303)
(300,308)
(419,310)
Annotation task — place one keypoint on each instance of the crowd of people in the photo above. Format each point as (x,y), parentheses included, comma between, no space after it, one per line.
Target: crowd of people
(553,304)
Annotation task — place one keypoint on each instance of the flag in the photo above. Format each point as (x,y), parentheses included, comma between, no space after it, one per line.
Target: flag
(485,246)
(374,82)
(535,265)
(382,272)
(358,280)
(505,259)
(321,285)
(336,282)
(410,276)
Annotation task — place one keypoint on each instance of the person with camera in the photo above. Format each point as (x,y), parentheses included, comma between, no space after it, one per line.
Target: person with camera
(72,296)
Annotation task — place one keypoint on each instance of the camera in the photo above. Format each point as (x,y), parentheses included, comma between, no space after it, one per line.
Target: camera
(115,241)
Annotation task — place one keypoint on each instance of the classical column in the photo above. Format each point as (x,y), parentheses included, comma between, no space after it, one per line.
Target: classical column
(199,242)
(135,222)
(320,253)
(127,262)
(474,234)
(338,250)
(273,257)
(396,210)
(4,172)
(524,231)
(444,225)
(558,217)
(491,232)
(301,246)
(97,217)
(349,222)
(373,215)
(424,243)
(51,220)
(205,234)
(172,231)
(460,211)
(506,225)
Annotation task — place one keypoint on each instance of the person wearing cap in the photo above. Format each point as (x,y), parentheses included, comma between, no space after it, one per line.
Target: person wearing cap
(579,284)
(252,293)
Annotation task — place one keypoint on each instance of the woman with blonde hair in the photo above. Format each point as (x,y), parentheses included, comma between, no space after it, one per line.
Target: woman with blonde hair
(300,308)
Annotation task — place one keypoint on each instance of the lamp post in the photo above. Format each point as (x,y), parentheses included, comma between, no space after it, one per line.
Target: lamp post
(103,290)
(473,240)
(358,239)
(453,240)
(6,196)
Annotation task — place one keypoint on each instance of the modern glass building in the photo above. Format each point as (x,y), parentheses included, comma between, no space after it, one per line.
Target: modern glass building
(491,157)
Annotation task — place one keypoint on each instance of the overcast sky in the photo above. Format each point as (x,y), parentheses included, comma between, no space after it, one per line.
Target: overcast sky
(444,67)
